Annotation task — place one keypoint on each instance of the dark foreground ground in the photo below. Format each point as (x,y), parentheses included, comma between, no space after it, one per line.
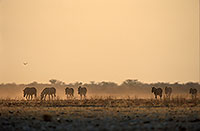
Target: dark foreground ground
(105,115)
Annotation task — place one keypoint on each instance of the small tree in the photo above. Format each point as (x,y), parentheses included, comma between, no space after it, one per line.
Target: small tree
(53,81)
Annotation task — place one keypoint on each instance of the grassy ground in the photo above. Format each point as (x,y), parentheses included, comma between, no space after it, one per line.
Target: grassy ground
(100,114)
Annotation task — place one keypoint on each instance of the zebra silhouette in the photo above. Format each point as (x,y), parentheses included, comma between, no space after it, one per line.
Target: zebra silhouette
(29,92)
(82,92)
(157,92)
(51,92)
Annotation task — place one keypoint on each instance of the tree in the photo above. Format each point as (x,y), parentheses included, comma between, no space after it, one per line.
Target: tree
(33,83)
(107,84)
(130,82)
(53,81)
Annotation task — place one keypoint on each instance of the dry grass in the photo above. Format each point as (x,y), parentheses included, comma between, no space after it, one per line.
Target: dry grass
(100,113)
(103,102)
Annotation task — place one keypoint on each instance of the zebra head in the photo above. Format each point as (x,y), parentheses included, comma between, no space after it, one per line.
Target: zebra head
(42,95)
(35,94)
(153,89)
(24,92)
(79,89)
(66,90)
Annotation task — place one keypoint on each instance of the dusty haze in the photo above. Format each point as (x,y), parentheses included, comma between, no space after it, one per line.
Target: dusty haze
(100,40)
(127,89)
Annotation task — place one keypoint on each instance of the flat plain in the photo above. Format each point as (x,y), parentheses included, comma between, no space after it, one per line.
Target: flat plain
(100,114)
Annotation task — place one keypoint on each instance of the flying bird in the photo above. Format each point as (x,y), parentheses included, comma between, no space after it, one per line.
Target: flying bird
(25,63)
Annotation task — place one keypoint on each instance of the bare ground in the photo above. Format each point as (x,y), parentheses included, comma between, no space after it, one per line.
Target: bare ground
(100,114)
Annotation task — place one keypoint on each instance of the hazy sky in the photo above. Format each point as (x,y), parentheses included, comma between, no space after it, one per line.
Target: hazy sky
(100,40)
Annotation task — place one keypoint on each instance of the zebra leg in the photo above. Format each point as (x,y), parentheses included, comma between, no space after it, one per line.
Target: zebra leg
(45,97)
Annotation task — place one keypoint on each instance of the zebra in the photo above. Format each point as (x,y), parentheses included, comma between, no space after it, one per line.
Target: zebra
(157,91)
(168,92)
(82,91)
(193,93)
(29,92)
(50,91)
(69,92)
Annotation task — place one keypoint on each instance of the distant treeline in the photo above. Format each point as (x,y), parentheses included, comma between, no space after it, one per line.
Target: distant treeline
(127,88)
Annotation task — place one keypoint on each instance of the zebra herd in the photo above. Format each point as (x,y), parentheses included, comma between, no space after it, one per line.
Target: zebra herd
(168,92)
(30,92)
(158,92)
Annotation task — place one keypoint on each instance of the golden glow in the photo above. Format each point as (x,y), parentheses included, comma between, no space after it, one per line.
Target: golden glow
(112,40)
